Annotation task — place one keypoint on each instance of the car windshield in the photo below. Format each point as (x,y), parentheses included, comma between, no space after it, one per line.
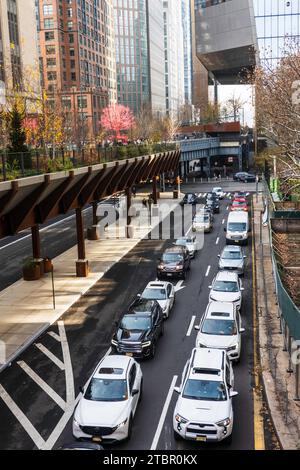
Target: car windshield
(136,322)
(238,203)
(225,286)
(217,190)
(204,390)
(181,242)
(237,227)
(172,257)
(154,294)
(231,255)
(201,218)
(106,390)
(219,327)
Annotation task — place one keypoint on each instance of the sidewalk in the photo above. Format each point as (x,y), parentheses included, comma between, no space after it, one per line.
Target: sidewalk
(26,308)
(279,385)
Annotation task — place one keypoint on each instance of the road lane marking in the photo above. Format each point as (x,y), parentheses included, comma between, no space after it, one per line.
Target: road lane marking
(205,194)
(227,208)
(179,286)
(259,436)
(54,335)
(164,414)
(188,230)
(217,241)
(43,385)
(191,326)
(208,271)
(50,355)
(70,389)
(223,221)
(23,420)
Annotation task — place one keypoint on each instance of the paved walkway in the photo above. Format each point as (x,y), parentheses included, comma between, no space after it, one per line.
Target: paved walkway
(279,385)
(26,308)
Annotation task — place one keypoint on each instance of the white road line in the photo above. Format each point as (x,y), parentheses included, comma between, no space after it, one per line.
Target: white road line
(189,332)
(179,286)
(23,420)
(188,231)
(70,389)
(163,414)
(217,241)
(227,208)
(51,356)
(44,386)
(108,352)
(208,271)
(43,229)
(205,194)
(223,221)
(229,194)
(54,335)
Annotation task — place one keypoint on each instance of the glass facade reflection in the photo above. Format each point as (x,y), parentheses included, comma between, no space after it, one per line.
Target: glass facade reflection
(276,20)
(139,53)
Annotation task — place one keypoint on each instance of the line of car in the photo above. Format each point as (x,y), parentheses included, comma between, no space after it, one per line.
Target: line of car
(109,401)
(204,408)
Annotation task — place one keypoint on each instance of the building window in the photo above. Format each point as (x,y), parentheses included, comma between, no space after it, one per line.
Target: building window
(71,38)
(51,62)
(49,35)
(51,76)
(50,50)
(48,10)
(48,23)
(73,76)
(82,102)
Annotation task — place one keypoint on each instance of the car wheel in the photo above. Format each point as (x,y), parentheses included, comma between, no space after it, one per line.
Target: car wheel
(129,429)
(177,437)
(162,330)
(141,391)
(153,350)
(228,440)
(183,276)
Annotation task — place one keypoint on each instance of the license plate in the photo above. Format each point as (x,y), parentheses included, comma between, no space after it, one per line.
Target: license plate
(97,439)
(129,354)
(169,275)
(201,438)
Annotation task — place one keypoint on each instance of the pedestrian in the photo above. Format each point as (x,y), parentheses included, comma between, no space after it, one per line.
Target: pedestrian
(144,202)
(133,191)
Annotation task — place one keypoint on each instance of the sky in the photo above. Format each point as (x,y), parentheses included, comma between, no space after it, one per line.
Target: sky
(244,93)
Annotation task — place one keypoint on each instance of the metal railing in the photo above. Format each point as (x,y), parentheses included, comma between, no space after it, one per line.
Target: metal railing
(35,162)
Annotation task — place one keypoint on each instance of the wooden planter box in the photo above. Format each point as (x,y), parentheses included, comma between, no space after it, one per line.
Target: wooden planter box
(48,266)
(31,273)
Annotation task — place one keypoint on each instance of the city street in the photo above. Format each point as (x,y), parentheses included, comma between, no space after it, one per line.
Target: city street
(37,413)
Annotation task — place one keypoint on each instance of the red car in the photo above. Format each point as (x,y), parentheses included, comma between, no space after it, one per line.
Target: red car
(240,199)
(239,206)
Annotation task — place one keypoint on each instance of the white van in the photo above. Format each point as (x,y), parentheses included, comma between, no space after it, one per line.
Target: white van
(238,228)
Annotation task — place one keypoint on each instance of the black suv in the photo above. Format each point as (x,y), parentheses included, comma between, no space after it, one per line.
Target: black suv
(139,329)
(174,263)
(189,198)
(213,203)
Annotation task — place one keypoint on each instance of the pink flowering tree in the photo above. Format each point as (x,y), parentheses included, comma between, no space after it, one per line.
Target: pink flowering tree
(117,118)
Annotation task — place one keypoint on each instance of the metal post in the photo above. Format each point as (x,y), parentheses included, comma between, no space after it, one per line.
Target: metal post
(260,227)
(290,366)
(95,207)
(53,288)
(22,164)
(284,335)
(154,190)
(128,206)
(297,376)
(3,158)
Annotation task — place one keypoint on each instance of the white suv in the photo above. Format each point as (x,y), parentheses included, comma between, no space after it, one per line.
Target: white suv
(221,328)
(105,411)
(203,411)
(163,292)
(227,287)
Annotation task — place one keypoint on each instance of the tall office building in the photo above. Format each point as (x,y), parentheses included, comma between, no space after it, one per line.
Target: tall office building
(187,47)
(276,21)
(174,57)
(18,43)
(77,55)
(139,39)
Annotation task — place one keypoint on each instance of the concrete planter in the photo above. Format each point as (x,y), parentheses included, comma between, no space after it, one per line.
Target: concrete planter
(92,233)
(31,272)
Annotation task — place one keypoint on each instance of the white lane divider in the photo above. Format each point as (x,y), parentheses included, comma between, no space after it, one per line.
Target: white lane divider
(43,385)
(191,326)
(164,414)
(188,230)
(50,355)
(179,286)
(217,241)
(223,221)
(22,418)
(70,389)
(208,271)
(227,208)
(54,335)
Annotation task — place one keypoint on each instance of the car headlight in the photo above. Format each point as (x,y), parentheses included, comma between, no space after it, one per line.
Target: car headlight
(122,424)
(179,268)
(180,419)
(114,342)
(76,422)
(212,298)
(237,299)
(224,423)
(232,348)
(146,344)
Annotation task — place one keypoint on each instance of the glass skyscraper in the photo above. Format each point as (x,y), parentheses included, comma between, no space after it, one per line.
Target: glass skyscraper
(139,43)
(276,21)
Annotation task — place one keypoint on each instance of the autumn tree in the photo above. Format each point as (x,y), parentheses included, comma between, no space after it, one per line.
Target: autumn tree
(145,124)
(233,106)
(117,118)
(278,113)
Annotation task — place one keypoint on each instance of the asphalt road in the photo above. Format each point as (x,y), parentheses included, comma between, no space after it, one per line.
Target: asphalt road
(34,391)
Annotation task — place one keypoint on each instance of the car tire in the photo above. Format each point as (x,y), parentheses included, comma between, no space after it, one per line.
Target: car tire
(129,428)
(183,276)
(228,440)
(141,391)
(162,331)
(177,437)
(153,350)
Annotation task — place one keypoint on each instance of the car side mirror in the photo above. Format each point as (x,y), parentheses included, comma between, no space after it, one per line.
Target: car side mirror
(81,390)
(135,391)
(210,287)
(177,389)
(245,257)
(171,296)
(219,256)
(139,296)
(225,229)
(116,323)
(233,394)
(197,327)
(242,330)
(242,289)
